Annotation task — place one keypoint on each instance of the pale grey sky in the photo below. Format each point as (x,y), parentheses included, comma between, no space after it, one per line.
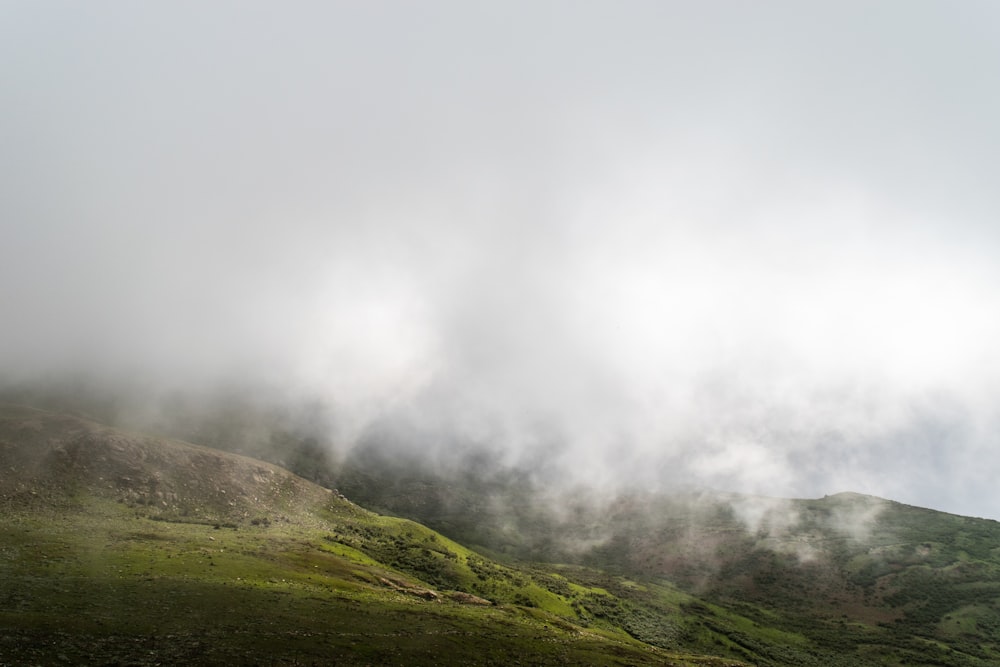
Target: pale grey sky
(753,245)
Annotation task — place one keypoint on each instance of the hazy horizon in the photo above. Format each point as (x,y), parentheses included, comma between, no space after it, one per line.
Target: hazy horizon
(747,246)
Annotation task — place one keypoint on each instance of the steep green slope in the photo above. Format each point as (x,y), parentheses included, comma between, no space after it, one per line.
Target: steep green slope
(124,549)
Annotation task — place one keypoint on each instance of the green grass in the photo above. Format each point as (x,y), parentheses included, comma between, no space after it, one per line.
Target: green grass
(105,585)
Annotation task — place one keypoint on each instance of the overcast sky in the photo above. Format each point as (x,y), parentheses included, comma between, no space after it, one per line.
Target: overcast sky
(751,245)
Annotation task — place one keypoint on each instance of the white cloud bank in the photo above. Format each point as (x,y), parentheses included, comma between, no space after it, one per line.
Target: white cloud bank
(750,246)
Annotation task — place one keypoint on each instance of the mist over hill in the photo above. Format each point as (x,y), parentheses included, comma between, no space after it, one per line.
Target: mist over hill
(670,316)
(124,547)
(643,578)
(750,248)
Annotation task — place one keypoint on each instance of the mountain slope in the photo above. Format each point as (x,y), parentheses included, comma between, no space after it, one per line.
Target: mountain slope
(851,572)
(122,548)
(850,575)
(118,547)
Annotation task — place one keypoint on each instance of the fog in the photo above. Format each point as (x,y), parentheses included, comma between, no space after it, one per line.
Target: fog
(746,246)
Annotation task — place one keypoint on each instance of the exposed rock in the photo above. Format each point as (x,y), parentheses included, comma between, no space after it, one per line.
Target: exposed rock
(409,589)
(468,598)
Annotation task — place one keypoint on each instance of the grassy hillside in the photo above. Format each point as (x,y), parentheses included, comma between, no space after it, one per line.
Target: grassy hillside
(857,577)
(852,573)
(125,548)
(118,548)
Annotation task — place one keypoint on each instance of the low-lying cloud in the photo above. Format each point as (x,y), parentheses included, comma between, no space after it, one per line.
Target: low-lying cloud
(745,248)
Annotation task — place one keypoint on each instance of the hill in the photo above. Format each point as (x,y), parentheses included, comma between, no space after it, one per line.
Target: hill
(848,574)
(852,573)
(119,548)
